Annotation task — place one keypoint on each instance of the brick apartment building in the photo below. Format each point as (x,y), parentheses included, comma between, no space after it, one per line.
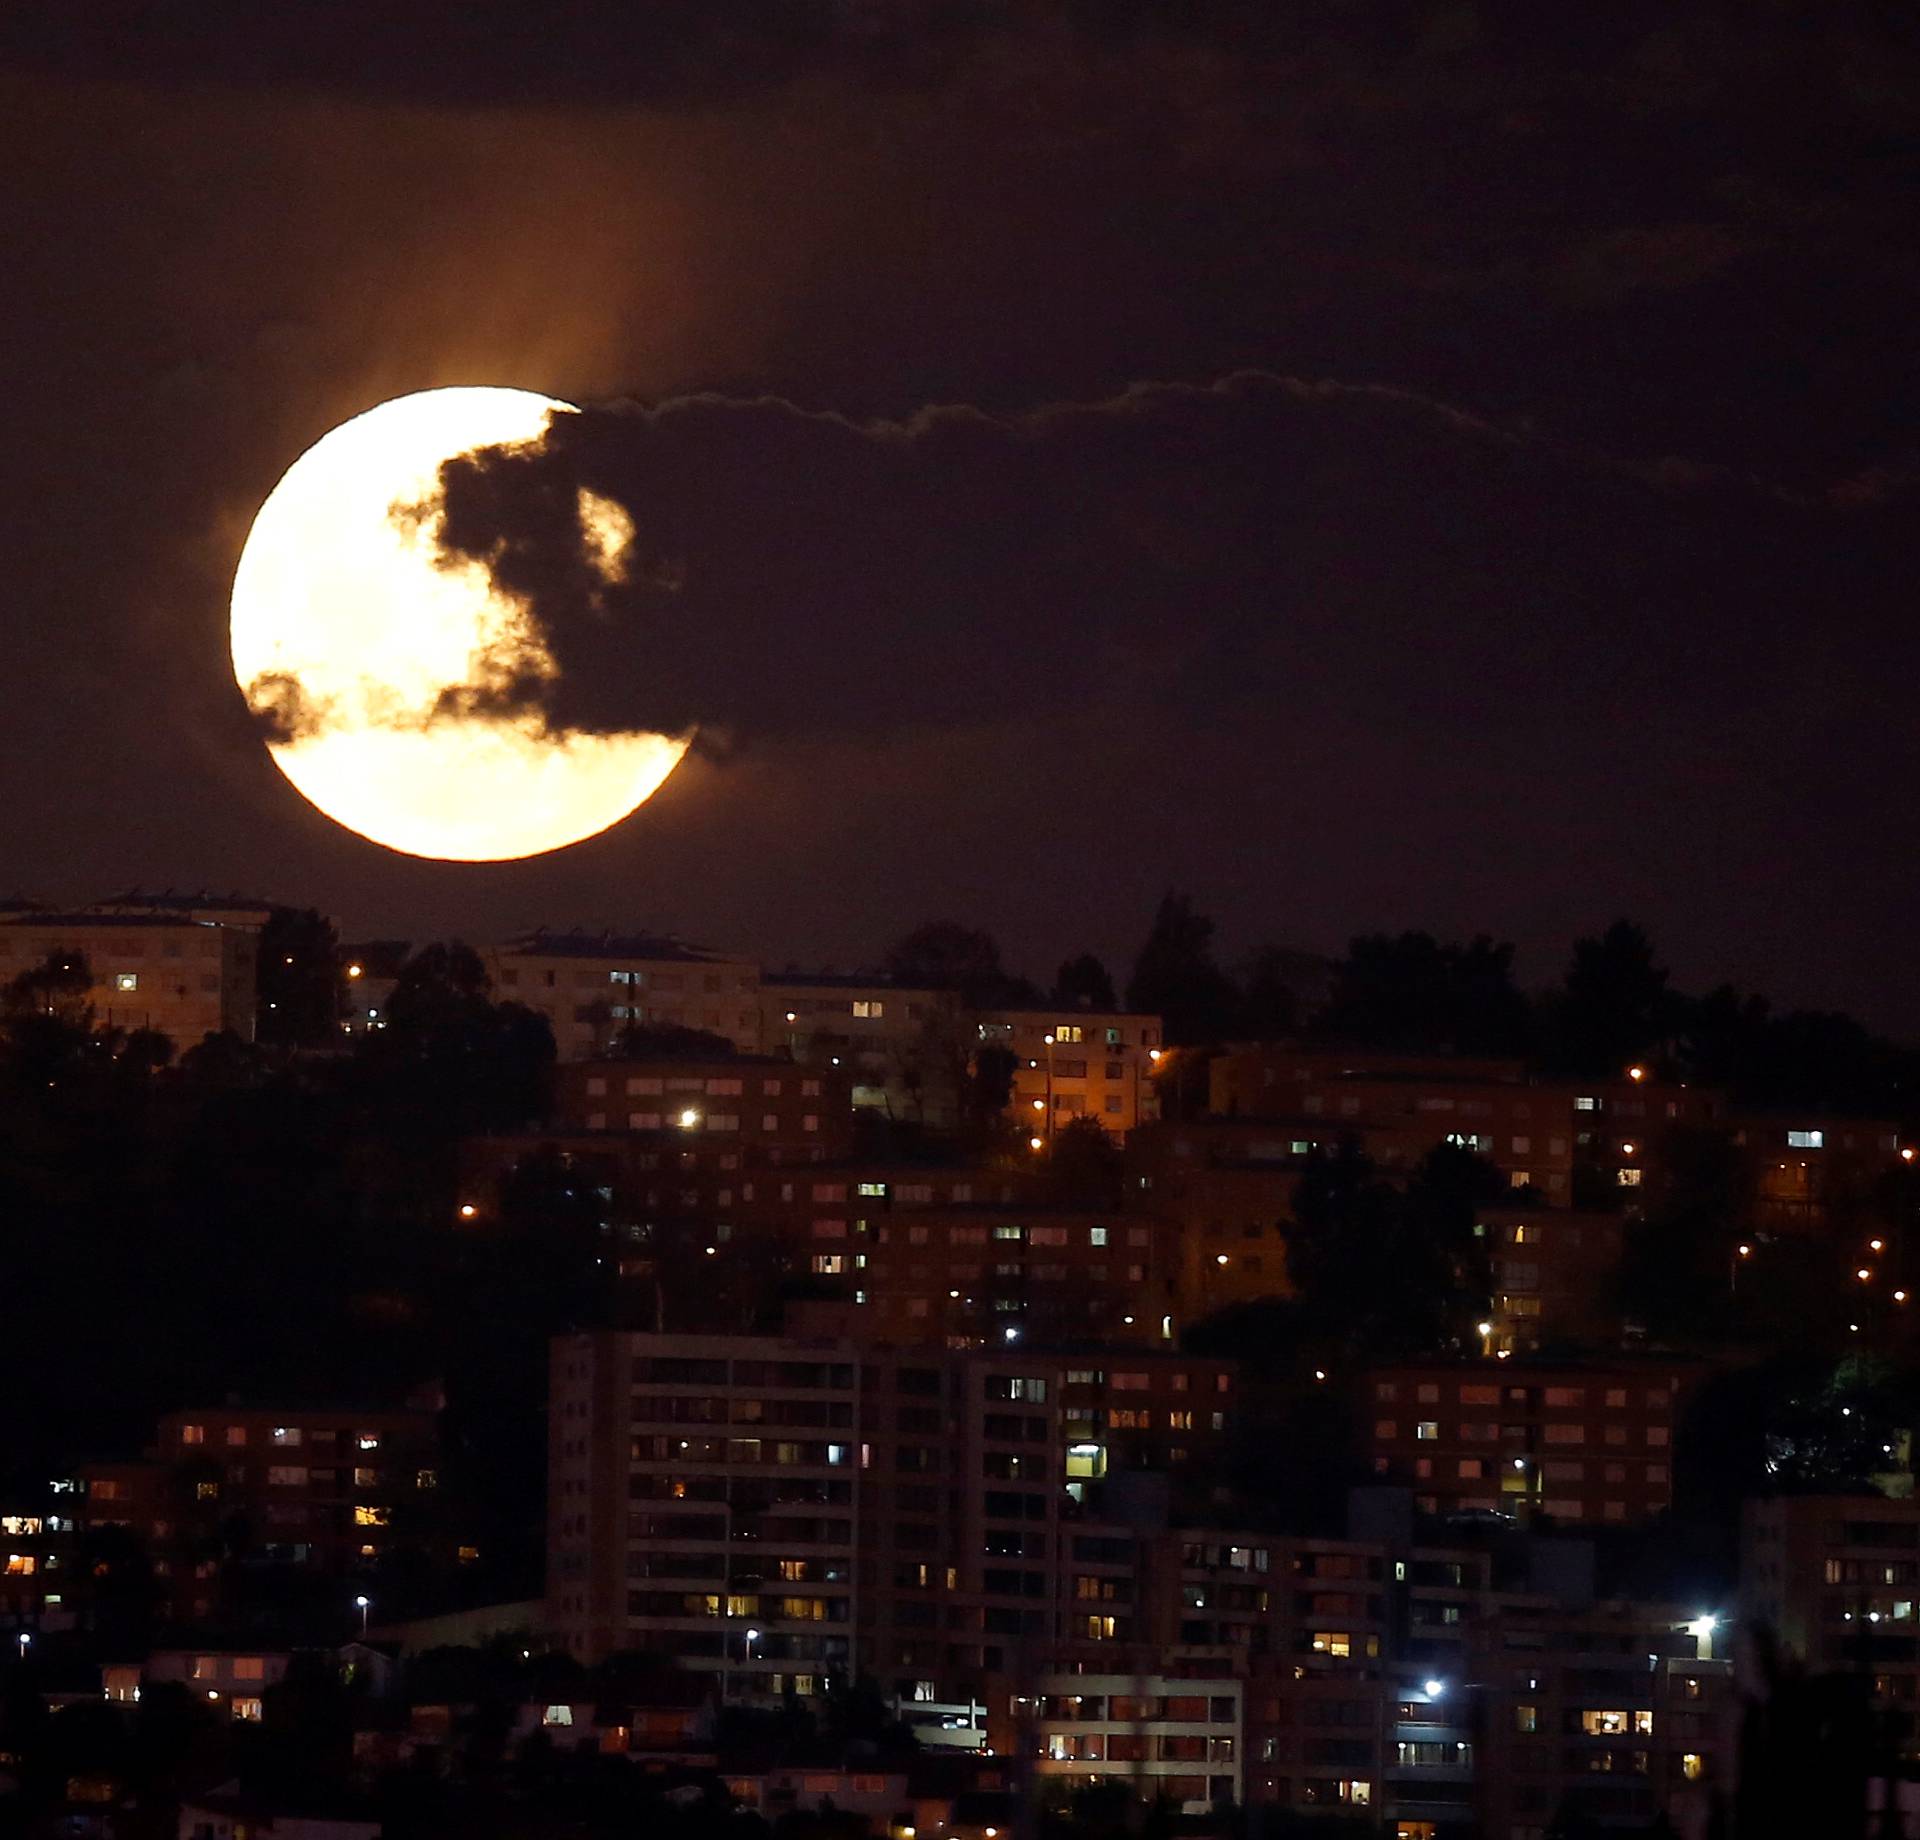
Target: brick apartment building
(1814,1175)
(973,1275)
(1554,1276)
(1400,1107)
(1837,1578)
(1580,1443)
(330,1495)
(904,1048)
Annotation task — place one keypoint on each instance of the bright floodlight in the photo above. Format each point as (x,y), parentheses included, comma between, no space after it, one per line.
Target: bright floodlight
(1435,1688)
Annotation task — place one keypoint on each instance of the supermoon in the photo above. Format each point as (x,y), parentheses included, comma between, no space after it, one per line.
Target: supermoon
(347,627)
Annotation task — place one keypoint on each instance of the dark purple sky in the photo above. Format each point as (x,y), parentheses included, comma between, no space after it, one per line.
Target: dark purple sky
(1512,526)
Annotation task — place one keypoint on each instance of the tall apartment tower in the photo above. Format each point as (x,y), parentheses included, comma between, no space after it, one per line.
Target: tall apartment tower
(781,1512)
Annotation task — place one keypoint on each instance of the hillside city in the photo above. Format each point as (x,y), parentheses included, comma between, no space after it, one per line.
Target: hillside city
(591,1383)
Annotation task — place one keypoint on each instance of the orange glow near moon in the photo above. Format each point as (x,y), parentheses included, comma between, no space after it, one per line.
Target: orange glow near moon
(344,614)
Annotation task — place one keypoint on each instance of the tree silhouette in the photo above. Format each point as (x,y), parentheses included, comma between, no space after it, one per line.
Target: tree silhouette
(1175,976)
(1083,983)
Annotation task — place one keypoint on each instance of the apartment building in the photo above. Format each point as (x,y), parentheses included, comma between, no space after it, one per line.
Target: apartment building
(39,1588)
(1071,1064)
(1180,1738)
(592,987)
(1589,1443)
(905,1049)
(1554,1275)
(185,977)
(776,1511)
(1398,1108)
(1225,1186)
(1817,1175)
(1837,1579)
(332,1494)
(973,1274)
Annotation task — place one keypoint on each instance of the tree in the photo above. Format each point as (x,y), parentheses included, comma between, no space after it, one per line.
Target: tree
(1175,976)
(1392,1271)
(451,1062)
(1083,983)
(299,994)
(1273,1004)
(944,955)
(1409,991)
(59,986)
(1083,1166)
(1613,1009)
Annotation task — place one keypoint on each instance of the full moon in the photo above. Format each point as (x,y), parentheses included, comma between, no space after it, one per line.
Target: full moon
(348,628)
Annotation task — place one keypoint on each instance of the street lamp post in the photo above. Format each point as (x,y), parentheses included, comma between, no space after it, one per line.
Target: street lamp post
(363,1605)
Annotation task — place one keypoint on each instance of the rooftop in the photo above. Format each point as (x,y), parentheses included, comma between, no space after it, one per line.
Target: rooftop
(84,917)
(578,942)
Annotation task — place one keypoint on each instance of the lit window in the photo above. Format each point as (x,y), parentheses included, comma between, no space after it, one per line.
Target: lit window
(1427,1428)
(1692,1765)
(287,1436)
(865,1007)
(1586,1105)
(1629,1178)
(193,1434)
(1526,1718)
(246,1709)
(557,1715)
(126,980)
(1806,1140)
(365,1516)
(22,1565)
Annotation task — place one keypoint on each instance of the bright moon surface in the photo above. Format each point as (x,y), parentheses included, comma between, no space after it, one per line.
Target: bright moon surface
(342,610)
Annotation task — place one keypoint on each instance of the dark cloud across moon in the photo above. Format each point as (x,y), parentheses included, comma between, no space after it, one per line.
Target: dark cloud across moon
(796,573)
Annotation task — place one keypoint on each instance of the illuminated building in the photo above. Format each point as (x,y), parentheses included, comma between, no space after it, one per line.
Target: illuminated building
(184,977)
(1586,1443)
(593,986)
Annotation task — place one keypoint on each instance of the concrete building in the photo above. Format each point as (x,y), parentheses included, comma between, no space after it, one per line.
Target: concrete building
(779,1512)
(183,976)
(1181,1738)
(591,987)
(1070,1063)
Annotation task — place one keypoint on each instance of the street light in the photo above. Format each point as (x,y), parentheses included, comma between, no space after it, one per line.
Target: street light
(1436,1689)
(363,1605)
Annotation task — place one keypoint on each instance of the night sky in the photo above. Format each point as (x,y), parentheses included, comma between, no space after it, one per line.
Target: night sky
(1372,466)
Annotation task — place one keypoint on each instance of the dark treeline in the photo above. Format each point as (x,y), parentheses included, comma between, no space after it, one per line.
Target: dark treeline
(1612,1006)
